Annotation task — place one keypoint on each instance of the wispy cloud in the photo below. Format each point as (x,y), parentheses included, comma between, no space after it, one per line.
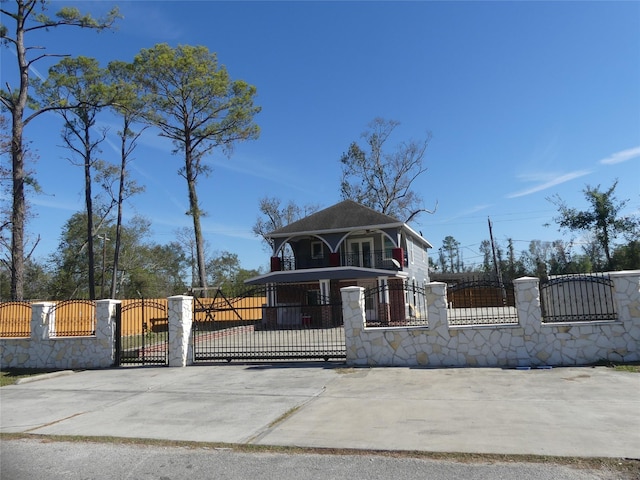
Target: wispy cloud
(547,180)
(469,211)
(209,228)
(151,22)
(622,156)
(262,169)
(51,202)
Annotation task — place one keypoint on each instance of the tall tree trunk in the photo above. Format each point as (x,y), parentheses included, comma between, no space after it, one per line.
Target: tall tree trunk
(194,210)
(89,206)
(606,247)
(116,253)
(197,231)
(19,211)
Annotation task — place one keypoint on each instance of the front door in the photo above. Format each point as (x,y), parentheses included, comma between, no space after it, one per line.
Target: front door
(361,252)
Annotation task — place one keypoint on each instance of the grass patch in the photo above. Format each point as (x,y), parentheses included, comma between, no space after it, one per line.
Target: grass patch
(284,416)
(12,375)
(625,468)
(627,368)
(633,367)
(345,370)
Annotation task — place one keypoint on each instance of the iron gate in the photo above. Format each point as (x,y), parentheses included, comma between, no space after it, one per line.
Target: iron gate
(142,333)
(276,322)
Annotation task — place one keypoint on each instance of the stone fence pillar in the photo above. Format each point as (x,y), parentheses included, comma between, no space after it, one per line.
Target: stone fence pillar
(626,286)
(106,330)
(43,321)
(529,343)
(436,293)
(527,293)
(180,322)
(353,316)
(106,319)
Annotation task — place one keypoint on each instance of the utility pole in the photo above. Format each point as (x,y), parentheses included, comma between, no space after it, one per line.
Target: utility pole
(495,260)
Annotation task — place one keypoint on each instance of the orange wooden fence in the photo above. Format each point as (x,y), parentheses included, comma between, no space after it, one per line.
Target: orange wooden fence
(15,319)
(77,317)
(221,310)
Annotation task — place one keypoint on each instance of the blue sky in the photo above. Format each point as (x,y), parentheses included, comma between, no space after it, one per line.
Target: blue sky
(525,100)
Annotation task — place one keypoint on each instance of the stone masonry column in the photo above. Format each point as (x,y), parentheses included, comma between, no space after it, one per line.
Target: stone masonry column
(353,315)
(43,321)
(626,287)
(106,329)
(436,293)
(627,301)
(531,351)
(527,295)
(180,322)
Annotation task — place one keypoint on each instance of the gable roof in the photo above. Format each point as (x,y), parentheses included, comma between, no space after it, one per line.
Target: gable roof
(346,215)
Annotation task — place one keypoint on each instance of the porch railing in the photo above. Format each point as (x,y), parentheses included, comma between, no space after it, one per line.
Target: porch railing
(379,259)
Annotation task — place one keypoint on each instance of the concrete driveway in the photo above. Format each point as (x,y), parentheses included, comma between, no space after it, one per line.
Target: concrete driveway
(564,412)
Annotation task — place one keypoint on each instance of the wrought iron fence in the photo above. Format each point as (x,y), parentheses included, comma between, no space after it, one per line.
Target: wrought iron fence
(15,319)
(577,298)
(396,304)
(481,301)
(74,318)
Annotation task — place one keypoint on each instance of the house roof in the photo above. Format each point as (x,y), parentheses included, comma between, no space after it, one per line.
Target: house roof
(346,215)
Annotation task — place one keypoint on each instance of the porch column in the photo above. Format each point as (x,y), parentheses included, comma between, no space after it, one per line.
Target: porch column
(325,301)
(384,312)
(270,313)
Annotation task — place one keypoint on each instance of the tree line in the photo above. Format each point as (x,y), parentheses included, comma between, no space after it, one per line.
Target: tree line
(600,225)
(146,269)
(188,98)
(183,92)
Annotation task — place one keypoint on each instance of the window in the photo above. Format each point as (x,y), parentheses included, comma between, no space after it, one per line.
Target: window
(410,245)
(388,248)
(313,297)
(325,290)
(316,250)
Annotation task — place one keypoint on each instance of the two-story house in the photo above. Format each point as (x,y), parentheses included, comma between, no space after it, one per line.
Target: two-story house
(346,244)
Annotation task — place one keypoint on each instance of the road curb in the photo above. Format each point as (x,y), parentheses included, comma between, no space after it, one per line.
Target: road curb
(44,376)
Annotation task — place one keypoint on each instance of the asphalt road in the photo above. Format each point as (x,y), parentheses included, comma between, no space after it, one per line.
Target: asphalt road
(576,413)
(28,459)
